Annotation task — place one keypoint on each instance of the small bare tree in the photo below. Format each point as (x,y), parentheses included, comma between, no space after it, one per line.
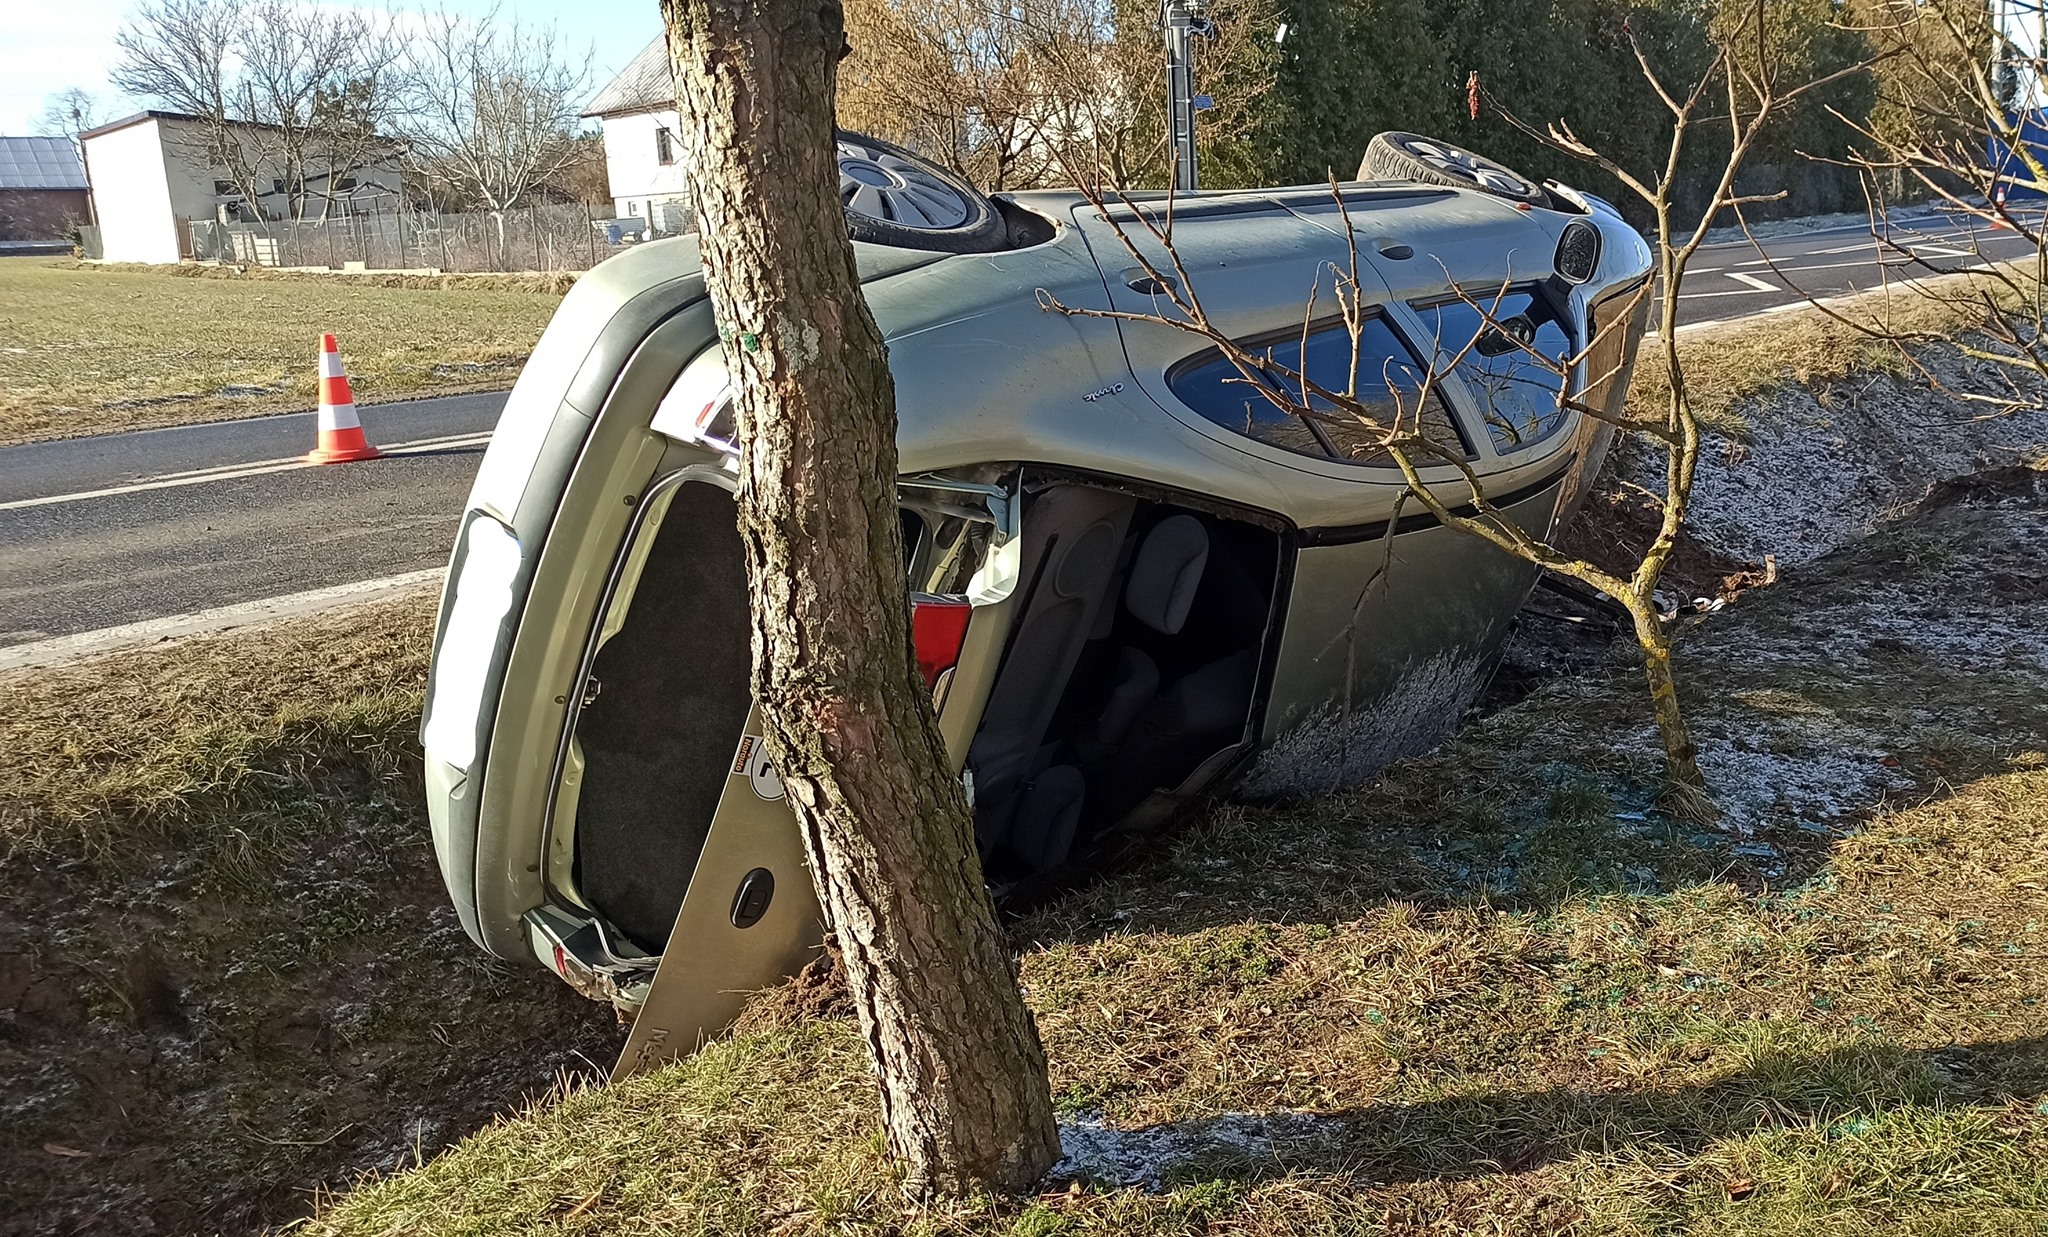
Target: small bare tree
(1742,80)
(1960,122)
(69,113)
(491,108)
(287,100)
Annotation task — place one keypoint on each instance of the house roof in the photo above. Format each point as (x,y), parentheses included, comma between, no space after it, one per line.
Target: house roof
(647,84)
(392,144)
(136,119)
(40,163)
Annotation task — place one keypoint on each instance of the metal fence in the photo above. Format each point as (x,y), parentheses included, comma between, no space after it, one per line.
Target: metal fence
(535,238)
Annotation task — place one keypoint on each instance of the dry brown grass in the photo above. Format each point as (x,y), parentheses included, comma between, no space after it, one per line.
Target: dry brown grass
(1729,366)
(228,968)
(96,750)
(88,349)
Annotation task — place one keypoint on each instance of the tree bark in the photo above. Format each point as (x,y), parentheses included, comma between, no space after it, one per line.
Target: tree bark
(850,726)
(1681,756)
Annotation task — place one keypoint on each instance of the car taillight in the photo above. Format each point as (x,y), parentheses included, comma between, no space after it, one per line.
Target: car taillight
(938,627)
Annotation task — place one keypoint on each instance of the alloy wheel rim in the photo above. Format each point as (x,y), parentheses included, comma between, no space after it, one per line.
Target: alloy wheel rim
(880,185)
(1465,164)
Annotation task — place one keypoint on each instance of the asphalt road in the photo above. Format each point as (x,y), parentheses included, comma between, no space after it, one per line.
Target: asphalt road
(1734,280)
(101,532)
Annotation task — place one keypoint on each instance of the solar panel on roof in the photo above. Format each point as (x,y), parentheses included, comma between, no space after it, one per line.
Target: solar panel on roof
(40,163)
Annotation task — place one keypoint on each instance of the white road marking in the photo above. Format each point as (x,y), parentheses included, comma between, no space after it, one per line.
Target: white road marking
(230,472)
(60,649)
(1752,281)
(1937,251)
(1695,296)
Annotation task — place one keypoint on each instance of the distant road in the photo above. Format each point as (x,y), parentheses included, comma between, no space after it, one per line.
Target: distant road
(100,532)
(1733,281)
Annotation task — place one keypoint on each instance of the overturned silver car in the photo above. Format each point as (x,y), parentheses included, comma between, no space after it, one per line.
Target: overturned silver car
(1132,585)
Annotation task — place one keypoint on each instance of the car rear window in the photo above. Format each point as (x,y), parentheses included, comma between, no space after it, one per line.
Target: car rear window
(1388,380)
(1517,393)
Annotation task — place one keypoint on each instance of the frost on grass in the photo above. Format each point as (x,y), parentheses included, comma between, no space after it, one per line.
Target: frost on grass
(1823,469)
(1815,694)
(1154,1157)
(1811,783)
(1328,751)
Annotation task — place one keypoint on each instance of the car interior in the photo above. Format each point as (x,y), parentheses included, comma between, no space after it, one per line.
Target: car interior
(670,686)
(1131,664)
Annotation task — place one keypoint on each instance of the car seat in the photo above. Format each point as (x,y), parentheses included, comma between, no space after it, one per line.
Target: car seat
(1074,538)
(1148,736)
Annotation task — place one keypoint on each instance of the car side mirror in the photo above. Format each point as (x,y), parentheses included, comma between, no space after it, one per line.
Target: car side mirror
(1508,335)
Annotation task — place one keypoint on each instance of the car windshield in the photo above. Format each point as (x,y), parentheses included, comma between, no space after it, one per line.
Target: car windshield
(1512,365)
(1387,381)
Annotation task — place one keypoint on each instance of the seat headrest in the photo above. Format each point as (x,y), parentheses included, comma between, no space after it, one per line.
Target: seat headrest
(1166,573)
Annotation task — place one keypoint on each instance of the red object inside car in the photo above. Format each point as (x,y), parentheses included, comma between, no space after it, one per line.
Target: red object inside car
(938,627)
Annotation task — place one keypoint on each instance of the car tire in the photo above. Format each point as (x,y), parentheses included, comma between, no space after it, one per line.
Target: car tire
(1410,156)
(893,197)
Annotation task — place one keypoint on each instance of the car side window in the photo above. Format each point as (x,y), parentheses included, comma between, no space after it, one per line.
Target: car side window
(1519,395)
(1388,382)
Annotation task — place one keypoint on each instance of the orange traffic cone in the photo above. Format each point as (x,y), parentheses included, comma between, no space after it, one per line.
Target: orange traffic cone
(341,434)
(1998,223)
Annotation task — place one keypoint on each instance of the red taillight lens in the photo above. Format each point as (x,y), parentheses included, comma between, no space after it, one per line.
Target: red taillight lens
(938,627)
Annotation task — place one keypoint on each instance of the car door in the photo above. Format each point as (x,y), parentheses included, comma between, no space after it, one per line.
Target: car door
(1392,620)
(747,915)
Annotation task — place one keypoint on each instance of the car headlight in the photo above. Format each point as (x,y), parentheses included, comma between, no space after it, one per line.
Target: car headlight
(469,640)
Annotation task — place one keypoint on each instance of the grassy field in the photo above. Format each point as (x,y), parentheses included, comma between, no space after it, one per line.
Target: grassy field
(86,350)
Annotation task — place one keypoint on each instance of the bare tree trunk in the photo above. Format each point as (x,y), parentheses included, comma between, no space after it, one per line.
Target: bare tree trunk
(962,1072)
(1681,756)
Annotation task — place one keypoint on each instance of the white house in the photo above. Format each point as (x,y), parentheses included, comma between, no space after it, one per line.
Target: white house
(152,177)
(641,150)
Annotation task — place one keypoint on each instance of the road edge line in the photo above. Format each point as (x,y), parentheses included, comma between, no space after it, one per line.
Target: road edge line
(60,650)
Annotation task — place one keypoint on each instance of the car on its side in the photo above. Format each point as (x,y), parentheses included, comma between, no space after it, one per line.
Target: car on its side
(1133,582)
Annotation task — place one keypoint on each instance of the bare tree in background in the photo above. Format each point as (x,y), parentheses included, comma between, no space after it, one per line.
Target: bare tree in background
(965,1102)
(69,113)
(1741,85)
(1960,121)
(282,93)
(491,108)
(1013,93)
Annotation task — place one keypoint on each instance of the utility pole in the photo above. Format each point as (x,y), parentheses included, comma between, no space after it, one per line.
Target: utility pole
(1182,21)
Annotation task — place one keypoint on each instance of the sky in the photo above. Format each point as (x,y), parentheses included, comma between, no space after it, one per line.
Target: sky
(46,47)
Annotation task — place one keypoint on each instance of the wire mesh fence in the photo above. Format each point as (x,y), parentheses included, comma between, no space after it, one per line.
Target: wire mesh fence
(533,238)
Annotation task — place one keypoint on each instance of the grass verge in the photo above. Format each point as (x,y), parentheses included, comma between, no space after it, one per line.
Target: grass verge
(1730,366)
(228,970)
(1494,992)
(97,349)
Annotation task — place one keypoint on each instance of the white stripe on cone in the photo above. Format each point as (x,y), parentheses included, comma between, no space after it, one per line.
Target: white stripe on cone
(330,364)
(338,417)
